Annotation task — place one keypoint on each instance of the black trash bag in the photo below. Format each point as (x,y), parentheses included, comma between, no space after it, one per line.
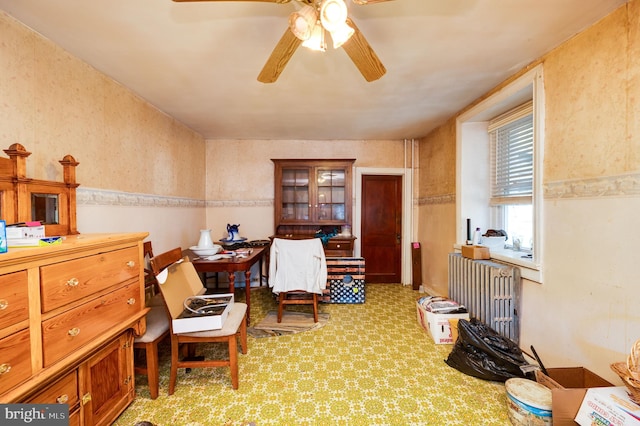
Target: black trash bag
(481,352)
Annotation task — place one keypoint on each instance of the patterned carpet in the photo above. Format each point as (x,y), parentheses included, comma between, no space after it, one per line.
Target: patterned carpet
(372,364)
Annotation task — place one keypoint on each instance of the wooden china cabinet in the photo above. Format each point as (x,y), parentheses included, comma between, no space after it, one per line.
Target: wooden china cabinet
(314,196)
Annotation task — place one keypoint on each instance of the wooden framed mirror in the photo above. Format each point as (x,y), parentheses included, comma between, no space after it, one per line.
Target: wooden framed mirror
(24,200)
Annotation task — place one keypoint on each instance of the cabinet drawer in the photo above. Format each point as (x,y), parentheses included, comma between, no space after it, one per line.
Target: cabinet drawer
(338,253)
(338,248)
(14,303)
(64,391)
(66,282)
(67,332)
(15,360)
(340,245)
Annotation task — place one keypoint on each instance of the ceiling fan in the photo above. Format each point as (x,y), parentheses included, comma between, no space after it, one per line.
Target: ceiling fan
(308,27)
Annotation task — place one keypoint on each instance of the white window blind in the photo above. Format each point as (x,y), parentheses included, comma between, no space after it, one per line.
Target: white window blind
(511,136)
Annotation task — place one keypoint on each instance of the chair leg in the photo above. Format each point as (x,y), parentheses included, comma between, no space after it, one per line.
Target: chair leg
(315,307)
(243,335)
(151,350)
(281,298)
(174,365)
(233,361)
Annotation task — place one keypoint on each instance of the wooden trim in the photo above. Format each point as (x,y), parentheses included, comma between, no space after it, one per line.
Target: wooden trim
(16,191)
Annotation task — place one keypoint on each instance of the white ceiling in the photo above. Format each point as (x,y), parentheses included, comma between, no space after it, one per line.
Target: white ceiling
(198,62)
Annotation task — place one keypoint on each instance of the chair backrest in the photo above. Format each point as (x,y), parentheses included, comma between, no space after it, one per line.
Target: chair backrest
(147,250)
(147,254)
(161,261)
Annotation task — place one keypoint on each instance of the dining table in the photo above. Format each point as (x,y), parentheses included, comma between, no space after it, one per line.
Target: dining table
(232,263)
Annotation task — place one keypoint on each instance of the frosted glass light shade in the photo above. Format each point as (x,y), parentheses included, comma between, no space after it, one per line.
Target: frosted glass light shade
(333,14)
(316,41)
(303,22)
(341,35)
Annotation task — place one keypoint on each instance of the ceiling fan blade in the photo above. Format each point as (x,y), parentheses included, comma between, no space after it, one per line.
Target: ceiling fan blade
(281,54)
(362,2)
(362,55)
(263,1)
(366,1)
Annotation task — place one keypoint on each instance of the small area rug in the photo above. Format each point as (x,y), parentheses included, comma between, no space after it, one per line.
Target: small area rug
(292,322)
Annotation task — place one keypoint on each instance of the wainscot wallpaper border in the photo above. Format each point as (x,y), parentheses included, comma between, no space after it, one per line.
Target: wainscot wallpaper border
(607,186)
(93,196)
(436,199)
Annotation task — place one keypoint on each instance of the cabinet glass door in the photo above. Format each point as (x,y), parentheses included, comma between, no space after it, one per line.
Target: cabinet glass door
(330,194)
(295,194)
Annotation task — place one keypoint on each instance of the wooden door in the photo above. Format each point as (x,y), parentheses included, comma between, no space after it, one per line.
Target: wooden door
(381,231)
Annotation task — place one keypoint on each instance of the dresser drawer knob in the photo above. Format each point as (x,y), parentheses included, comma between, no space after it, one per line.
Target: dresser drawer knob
(338,245)
(74,332)
(62,399)
(131,301)
(131,264)
(4,304)
(5,368)
(73,282)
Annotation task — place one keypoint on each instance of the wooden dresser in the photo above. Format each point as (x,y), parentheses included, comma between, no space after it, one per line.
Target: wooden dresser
(68,314)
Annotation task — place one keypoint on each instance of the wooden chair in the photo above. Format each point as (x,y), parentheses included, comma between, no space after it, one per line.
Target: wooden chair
(157,330)
(297,273)
(150,282)
(234,327)
(297,298)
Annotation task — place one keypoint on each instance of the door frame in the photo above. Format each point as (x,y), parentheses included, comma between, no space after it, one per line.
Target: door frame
(407,213)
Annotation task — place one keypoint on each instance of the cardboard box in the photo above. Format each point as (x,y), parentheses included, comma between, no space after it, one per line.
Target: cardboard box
(179,282)
(438,325)
(568,387)
(19,232)
(608,406)
(476,252)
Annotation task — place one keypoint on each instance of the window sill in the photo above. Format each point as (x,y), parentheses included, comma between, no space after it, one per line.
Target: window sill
(529,270)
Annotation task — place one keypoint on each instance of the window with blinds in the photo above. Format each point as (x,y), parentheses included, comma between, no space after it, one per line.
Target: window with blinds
(511,136)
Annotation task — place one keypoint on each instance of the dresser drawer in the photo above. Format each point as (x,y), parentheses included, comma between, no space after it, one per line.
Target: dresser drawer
(65,333)
(339,247)
(14,302)
(65,282)
(15,360)
(64,391)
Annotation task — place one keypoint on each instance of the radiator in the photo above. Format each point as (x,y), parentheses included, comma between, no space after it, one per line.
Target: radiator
(490,291)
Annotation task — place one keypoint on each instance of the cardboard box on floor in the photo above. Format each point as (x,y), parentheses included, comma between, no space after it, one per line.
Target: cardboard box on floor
(608,406)
(438,325)
(180,281)
(568,388)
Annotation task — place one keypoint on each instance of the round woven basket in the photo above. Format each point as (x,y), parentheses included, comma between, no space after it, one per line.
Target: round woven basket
(632,384)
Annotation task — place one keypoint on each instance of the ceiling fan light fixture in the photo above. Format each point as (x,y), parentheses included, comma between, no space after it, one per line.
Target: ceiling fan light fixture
(302,23)
(341,35)
(316,41)
(333,14)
